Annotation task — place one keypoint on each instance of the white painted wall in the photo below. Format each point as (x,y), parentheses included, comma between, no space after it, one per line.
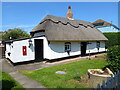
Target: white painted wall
(8,49)
(93,49)
(16,51)
(52,51)
(57,50)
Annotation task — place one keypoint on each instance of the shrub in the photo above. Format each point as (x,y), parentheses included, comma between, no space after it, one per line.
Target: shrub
(113,55)
(113,38)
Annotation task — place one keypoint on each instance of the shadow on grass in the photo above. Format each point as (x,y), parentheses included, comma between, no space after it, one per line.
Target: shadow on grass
(7,84)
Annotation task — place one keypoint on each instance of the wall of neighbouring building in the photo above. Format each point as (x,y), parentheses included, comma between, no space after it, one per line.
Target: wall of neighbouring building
(108,29)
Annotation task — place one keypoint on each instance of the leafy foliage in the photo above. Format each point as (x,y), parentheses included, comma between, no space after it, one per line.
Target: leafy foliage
(113,55)
(15,33)
(113,38)
(0,37)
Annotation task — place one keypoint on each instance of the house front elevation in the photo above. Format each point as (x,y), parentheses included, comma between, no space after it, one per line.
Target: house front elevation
(57,37)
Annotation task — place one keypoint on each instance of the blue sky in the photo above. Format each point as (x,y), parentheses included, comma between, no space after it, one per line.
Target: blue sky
(26,15)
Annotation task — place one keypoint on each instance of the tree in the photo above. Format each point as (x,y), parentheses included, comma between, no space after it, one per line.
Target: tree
(15,33)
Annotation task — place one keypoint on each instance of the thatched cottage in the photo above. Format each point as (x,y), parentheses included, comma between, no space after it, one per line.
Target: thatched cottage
(57,37)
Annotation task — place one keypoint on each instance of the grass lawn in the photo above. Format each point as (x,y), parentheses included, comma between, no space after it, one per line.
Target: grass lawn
(103,55)
(8,82)
(75,77)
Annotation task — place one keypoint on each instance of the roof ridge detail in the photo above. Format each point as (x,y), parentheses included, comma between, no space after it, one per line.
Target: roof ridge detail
(76,26)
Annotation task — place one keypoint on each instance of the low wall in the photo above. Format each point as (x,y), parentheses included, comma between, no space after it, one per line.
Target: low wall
(95,79)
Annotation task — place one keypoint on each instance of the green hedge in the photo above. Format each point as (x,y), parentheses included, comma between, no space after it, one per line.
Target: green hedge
(113,55)
(113,38)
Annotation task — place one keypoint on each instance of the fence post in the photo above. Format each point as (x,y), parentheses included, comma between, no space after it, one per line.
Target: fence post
(119,78)
(98,87)
(103,84)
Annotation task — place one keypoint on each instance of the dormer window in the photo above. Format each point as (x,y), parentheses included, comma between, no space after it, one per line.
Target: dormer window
(67,46)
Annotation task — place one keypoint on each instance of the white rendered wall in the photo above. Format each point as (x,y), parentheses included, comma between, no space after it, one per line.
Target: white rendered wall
(56,49)
(8,49)
(93,49)
(52,51)
(16,52)
(102,46)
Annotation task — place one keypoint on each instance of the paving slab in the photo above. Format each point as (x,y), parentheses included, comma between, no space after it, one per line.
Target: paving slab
(25,81)
(7,66)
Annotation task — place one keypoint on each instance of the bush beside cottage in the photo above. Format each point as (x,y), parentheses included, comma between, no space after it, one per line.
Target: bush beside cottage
(113,38)
(113,55)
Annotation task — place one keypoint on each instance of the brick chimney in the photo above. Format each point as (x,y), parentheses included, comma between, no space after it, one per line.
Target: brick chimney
(69,13)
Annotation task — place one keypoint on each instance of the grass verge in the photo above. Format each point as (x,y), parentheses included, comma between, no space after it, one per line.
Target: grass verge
(8,83)
(103,55)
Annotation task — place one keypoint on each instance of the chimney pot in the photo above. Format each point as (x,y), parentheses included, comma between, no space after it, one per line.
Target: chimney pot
(69,13)
(69,7)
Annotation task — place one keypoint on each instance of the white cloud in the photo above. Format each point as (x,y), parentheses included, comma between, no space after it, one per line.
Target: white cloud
(27,28)
(17,26)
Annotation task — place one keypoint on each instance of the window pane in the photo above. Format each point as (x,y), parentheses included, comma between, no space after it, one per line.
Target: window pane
(67,46)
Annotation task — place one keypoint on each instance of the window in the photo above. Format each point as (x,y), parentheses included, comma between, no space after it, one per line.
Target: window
(67,46)
(98,44)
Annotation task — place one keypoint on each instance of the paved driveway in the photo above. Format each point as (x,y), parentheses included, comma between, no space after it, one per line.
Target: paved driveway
(7,66)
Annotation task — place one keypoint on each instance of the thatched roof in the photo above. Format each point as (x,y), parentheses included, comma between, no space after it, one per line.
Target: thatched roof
(63,29)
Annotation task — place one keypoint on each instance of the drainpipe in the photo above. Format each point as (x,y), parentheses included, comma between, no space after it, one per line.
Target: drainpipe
(89,49)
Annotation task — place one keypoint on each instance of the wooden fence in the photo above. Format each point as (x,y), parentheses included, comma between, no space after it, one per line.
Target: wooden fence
(113,82)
